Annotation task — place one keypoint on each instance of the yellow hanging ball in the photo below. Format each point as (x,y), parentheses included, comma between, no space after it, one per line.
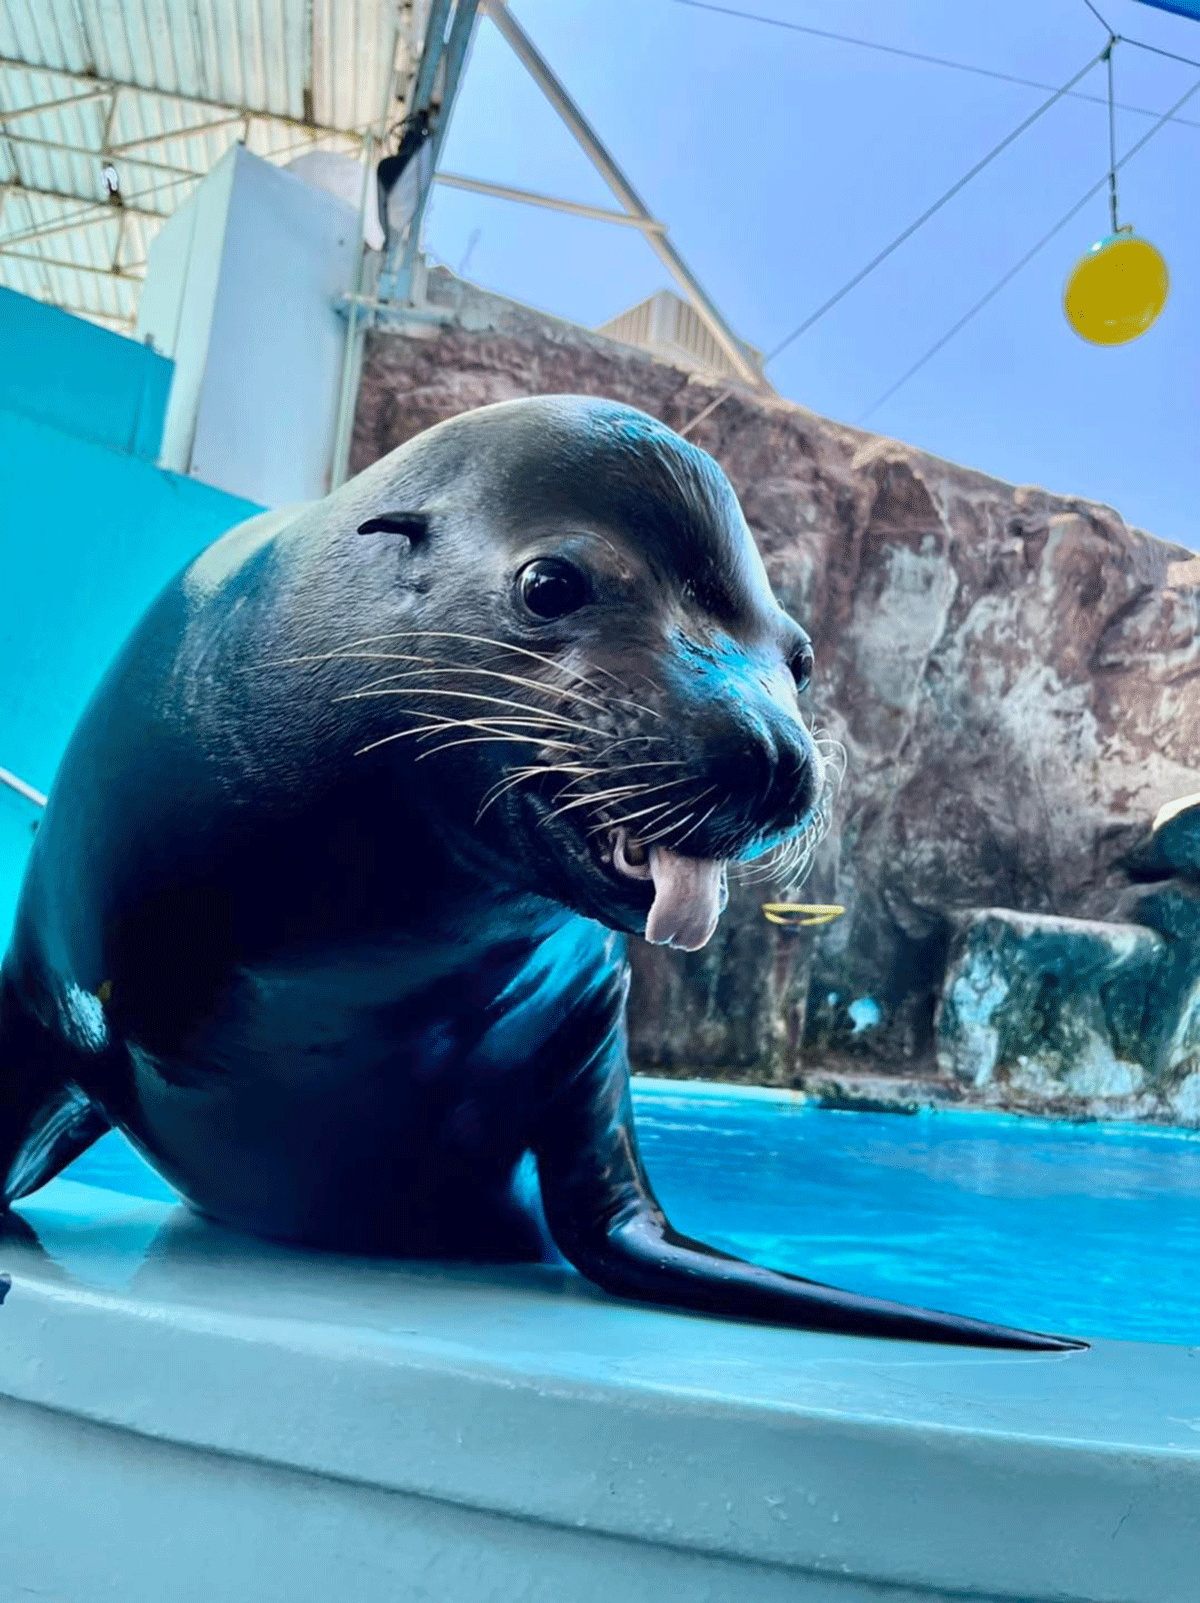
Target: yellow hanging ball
(1116,291)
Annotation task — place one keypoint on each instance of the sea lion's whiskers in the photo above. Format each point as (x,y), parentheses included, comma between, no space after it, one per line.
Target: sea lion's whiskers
(428,669)
(540,740)
(792,860)
(624,820)
(597,798)
(534,771)
(611,746)
(772,865)
(499,722)
(482,740)
(547,719)
(504,647)
(663,829)
(347,654)
(471,740)
(650,840)
(664,762)
(629,794)
(828,746)
(698,824)
(629,819)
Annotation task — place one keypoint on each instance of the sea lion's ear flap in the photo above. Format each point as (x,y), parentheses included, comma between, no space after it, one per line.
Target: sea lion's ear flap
(414,526)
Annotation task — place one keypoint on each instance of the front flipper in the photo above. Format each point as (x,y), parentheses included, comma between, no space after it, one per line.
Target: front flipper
(605,1218)
(46,1121)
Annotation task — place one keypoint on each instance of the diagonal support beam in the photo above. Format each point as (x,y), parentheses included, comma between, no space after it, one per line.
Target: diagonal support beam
(616,180)
(533,197)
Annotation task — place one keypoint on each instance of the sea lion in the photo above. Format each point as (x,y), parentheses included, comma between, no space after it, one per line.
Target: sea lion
(326,908)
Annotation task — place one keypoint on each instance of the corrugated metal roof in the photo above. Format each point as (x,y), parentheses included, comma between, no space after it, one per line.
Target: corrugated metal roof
(159,90)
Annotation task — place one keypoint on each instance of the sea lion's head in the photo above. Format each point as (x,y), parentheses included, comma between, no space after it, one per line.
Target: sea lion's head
(585,660)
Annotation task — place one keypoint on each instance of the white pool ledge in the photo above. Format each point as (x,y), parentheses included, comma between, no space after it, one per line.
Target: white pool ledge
(188,1415)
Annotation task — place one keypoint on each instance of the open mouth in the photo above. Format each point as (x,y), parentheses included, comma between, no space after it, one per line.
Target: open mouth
(680,898)
(689,892)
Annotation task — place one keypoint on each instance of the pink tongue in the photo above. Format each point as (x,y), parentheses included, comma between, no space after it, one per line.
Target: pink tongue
(687,900)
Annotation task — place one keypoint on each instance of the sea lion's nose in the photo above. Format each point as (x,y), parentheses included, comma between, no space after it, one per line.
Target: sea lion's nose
(797,773)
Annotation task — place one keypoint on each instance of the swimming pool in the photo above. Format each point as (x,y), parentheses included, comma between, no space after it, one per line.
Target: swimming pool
(1089,1230)
(1084,1229)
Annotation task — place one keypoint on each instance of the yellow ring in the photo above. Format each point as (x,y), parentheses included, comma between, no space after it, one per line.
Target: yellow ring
(815,913)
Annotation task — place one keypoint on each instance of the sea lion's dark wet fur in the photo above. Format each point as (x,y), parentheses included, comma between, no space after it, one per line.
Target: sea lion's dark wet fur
(293,925)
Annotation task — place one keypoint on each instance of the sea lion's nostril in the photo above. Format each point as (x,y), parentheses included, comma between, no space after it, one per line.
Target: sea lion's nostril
(756,771)
(797,773)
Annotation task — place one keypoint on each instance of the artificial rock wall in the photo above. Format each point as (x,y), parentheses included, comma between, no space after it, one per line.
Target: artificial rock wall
(1014,676)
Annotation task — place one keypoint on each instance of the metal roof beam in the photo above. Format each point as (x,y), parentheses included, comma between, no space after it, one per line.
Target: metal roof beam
(103,213)
(533,197)
(108,211)
(120,274)
(98,154)
(105,84)
(539,70)
(53,105)
(232,121)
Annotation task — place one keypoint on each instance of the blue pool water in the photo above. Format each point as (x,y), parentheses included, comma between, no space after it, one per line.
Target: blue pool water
(1091,1230)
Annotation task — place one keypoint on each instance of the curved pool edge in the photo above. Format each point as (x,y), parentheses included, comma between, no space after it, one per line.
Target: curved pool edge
(445,1422)
(659,1086)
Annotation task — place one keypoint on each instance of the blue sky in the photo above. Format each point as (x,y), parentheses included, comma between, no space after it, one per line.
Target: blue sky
(781,163)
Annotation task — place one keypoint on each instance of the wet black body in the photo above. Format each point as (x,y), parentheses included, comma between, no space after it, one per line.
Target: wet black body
(266,932)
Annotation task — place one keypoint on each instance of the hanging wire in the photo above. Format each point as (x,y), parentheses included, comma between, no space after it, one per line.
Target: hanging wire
(1099,18)
(1026,259)
(1112,137)
(921,56)
(905,234)
(863,44)
(1156,50)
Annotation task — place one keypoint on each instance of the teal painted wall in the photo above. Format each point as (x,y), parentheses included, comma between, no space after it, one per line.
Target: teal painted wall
(90,531)
(79,378)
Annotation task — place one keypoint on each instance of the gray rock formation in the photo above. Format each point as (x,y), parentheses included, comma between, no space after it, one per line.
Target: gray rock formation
(1014,677)
(1080,1017)
(1050,1013)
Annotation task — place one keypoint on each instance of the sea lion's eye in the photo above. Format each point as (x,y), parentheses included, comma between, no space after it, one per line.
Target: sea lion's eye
(801,663)
(550,587)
